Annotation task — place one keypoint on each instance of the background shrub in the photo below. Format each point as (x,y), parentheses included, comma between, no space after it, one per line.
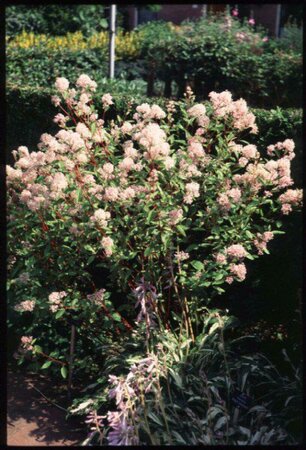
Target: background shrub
(55,20)
(209,54)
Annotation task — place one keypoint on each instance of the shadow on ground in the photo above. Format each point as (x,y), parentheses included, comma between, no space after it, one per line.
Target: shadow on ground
(32,420)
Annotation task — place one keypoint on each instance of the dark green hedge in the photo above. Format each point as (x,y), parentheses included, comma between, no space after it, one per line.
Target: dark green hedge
(55,19)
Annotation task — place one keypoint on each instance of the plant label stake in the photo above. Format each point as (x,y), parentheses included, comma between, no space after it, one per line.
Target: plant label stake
(71,356)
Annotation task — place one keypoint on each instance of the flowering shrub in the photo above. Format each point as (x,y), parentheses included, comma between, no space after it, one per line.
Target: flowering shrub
(165,211)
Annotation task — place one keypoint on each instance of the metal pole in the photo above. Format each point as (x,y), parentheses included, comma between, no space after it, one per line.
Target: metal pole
(277,21)
(71,356)
(112,34)
(135,24)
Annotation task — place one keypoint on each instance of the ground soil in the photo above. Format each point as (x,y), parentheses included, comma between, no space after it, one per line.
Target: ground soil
(32,420)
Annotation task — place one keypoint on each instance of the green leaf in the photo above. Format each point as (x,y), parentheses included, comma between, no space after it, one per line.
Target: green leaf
(116,317)
(46,365)
(181,230)
(155,419)
(59,313)
(214,327)
(91,259)
(177,378)
(103,23)
(148,251)
(79,193)
(37,348)
(89,248)
(150,215)
(197,265)
(219,276)
(64,372)
(248,256)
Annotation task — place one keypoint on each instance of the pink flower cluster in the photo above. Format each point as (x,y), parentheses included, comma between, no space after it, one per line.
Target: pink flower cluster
(289,198)
(153,139)
(238,270)
(224,106)
(277,173)
(181,256)
(27,305)
(199,112)
(175,216)
(250,152)
(287,147)
(126,128)
(192,192)
(100,217)
(35,197)
(55,300)
(261,241)
(61,84)
(227,198)
(195,150)
(107,244)
(149,112)
(97,297)
(234,194)
(188,170)
(220,258)
(85,82)
(26,342)
(107,100)
(106,171)
(224,202)
(236,251)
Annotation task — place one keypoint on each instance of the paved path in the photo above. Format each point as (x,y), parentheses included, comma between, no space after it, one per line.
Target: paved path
(32,420)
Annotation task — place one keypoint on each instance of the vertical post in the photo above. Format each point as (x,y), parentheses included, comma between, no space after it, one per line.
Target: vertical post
(135,17)
(112,34)
(71,356)
(204,11)
(277,20)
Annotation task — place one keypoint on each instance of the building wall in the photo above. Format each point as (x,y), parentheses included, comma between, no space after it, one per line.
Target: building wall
(264,14)
(178,13)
